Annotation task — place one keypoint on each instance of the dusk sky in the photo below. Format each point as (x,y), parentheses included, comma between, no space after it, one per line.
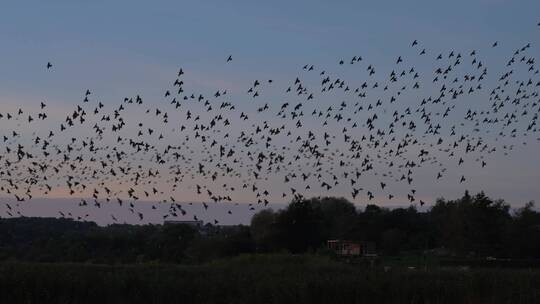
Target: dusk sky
(118,49)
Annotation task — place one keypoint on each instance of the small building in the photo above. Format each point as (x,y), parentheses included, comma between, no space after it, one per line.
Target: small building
(349,248)
(194,224)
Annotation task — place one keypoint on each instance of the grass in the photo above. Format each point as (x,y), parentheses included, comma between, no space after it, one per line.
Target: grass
(261,279)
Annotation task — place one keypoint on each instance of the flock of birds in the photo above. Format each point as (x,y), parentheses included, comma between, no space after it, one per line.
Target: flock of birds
(325,135)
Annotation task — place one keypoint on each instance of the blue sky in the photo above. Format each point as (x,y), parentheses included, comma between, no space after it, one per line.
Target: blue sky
(123,48)
(116,46)
(113,41)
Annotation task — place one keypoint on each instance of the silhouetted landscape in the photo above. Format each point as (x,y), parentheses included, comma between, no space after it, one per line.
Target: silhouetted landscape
(459,250)
(470,227)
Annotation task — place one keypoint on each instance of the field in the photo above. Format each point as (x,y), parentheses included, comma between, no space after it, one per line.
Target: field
(262,279)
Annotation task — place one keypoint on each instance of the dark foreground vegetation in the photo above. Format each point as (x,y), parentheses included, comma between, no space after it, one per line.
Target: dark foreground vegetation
(261,279)
(470,250)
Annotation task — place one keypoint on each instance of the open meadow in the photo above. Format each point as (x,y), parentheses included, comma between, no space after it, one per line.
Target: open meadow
(262,279)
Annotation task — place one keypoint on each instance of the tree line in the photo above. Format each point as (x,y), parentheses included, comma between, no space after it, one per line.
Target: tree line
(471,226)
